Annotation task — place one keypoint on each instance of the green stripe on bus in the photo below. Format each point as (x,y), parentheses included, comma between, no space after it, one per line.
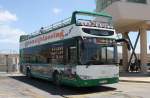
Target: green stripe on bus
(89,83)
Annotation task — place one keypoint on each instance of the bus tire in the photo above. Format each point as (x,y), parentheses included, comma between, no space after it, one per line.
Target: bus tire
(28,72)
(56,78)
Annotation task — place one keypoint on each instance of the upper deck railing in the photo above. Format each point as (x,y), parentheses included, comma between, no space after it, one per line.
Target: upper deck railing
(66,22)
(52,27)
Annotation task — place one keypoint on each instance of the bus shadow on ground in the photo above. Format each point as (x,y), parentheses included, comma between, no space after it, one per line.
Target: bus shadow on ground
(60,90)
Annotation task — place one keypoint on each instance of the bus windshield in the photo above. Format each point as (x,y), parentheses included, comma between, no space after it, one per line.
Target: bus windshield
(92,19)
(98,54)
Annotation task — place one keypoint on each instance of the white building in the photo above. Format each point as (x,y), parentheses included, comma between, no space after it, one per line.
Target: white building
(129,15)
(9,62)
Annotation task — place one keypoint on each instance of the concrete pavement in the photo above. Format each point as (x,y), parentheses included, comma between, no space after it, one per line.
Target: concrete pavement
(135,77)
(15,86)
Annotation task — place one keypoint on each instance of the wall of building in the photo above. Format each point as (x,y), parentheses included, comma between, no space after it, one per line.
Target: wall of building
(102,4)
(9,62)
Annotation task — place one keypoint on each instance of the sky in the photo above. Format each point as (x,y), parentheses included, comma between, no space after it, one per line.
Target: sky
(18,17)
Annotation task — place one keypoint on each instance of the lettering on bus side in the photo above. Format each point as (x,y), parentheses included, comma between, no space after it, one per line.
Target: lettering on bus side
(43,38)
(50,36)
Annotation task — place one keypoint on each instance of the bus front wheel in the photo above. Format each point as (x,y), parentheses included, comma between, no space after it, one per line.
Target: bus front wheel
(56,78)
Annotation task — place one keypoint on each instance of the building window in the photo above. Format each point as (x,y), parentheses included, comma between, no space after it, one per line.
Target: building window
(104,3)
(138,1)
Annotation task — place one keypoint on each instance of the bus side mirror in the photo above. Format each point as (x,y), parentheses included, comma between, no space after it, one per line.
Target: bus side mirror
(125,41)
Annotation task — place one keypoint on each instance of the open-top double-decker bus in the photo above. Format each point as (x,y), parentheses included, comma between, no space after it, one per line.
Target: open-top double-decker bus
(80,51)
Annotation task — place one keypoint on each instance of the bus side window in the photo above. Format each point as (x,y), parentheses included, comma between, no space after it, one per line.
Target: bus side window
(72,55)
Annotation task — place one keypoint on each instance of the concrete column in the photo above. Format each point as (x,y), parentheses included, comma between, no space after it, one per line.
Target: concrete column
(124,0)
(143,49)
(125,53)
(148,2)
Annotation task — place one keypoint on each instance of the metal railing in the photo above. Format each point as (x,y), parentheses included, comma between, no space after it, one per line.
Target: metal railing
(54,26)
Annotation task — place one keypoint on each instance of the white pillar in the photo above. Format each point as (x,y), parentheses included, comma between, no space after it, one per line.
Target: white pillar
(143,49)
(124,0)
(125,53)
(148,2)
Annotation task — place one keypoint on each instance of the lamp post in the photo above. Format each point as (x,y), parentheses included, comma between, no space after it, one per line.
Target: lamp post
(6,56)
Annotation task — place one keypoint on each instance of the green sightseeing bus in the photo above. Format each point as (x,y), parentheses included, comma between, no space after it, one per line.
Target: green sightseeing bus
(80,51)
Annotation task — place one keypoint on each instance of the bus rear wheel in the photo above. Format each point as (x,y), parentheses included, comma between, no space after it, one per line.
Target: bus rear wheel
(56,78)
(28,73)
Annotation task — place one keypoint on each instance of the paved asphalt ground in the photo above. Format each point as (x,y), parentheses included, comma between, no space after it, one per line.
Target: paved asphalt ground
(23,87)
